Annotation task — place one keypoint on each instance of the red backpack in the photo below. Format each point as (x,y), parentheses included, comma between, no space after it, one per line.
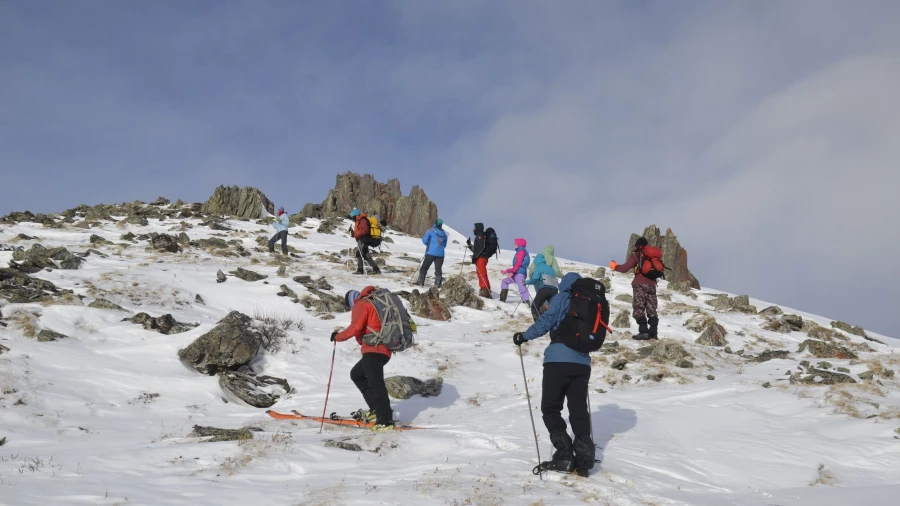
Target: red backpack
(650,264)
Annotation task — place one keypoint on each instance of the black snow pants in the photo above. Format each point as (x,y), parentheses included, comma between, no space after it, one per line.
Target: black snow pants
(368,375)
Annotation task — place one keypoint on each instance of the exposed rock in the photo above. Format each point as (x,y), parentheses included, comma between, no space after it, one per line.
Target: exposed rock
(219,435)
(20,288)
(815,331)
(353,447)
(682,287)
(96,239)
(47,335)
(599,273)
(303,280)
(404,387)
(247,275)
(247,202)
(795,322)
(220,277)
(867,375)
(824,365)
(664,350)
(282,272)
(674,256)
(329,225)
(846,327)
(199,300)
(128,237)
(622,320)
(787,324)
(712,335)
(287,292)
(161,201)
(710,377)
(165,242)
(257,391)
(819,377)
(767,385)
(457,292)
(821,349)
(700,322)
(212,242)
(232,343)
(684,364)
(625,298)
(619,364)
(164,324)
(105,304)
(183,239)
(770,355)
(428,305)
(413,214)
(3,349)
(325,302)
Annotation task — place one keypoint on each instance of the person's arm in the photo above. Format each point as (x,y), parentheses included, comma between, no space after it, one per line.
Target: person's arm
(556,268)
(520,257)
(426,238)
(546,321)
(359,317)
(629,264)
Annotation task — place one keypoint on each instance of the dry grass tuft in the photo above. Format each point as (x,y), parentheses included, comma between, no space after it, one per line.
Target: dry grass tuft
(25,322)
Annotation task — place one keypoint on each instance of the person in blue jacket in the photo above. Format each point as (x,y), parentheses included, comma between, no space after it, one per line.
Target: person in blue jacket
(282,224)
(436,240)
(566,376)
(545,282)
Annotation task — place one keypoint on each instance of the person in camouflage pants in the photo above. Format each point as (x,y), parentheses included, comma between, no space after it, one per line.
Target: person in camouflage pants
(644,302)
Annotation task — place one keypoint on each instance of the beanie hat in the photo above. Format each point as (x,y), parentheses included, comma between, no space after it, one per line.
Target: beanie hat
(354,213)
(280,211)
(351,297)
(439,223)
(641,242)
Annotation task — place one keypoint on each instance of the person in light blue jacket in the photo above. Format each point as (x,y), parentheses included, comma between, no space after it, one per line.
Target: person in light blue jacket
(282,224)
(546,285)
(436,241)
(566,376)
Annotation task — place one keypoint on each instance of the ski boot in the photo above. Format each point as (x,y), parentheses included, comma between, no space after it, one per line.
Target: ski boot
(503,294)
(643,332)
(363,415)
(563,459)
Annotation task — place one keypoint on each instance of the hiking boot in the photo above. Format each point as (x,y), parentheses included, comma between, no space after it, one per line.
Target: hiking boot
(376,272)
(585,452)
(503,294)
(484,292)
(421,280)
(438,281)
(363,415)
(652,329)
(641,337)
(360,271)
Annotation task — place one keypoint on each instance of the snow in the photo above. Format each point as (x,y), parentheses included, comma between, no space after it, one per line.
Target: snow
(81,428)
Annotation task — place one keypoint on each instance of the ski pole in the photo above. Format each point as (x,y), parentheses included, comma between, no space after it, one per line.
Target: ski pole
(415,272)
(530,414)
(328,391)
(462,262)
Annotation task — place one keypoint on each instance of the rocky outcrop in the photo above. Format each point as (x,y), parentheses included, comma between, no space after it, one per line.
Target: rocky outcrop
(428,305)
(232,343)
(457,292)
(821,349)
(48,335)
(20,288)
(664,350)
(674,256)
(247,275)
(787,324)
(770,355)
(165,242)
(713,335)
(256,391)
(246,202)
(217,435)
(165,324)
(412,214)
(105,304)
(622,320)
(38,258)
(324,302)
(404,387)
(846,327)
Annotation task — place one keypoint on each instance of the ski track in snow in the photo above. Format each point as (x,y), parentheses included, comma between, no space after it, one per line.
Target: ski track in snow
(83,436)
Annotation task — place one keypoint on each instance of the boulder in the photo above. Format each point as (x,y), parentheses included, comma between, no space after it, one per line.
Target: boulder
(105,304)
(165,242)
(622,320)
(682,287)
(220,277)
(675,257)
(794,321)
(232,343)
(217,435)
(247,275)
(97,240)
(212,242)
(165,324)
(457,292)
(684,364)
(256,391)
(287,292)
(324,302)
(619,364)
(413,214)
(820,377)
(700,322)
(625,298)
(770,355)
(742,303)
(128,237)
(329,225)
(599,273)
(815,331)
(47,335)
(428,305)
(846,327)
(3,349)
(404,387)
(183,239)
(160,201)
(20,288)
(821,349)
(248,203)
(713,335)
(787,324)
(664,350)
(199,300)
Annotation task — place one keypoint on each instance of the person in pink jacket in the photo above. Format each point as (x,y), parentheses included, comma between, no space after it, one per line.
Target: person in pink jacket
(517,273)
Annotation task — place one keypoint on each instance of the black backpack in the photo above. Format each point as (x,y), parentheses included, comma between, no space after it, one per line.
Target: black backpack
(490,243)
(584,327)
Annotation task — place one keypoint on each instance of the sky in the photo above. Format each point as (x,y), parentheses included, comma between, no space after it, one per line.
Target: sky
(764,133)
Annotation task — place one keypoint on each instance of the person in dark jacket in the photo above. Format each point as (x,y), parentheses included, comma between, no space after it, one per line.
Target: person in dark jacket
(481,253)
(644,300)
(368,373)
(566,376)
(436,240)
(360,232)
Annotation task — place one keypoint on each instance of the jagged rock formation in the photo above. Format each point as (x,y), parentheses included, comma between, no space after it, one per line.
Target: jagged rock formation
(674,256)
(412,214)
(246,202)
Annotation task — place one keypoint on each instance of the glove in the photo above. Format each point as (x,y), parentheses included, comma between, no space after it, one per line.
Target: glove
(613,264)
(468,241)
(333,334)
(518,338)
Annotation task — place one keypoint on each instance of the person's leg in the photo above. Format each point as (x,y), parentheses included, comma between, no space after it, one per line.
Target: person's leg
(639,304)
(543,295)
(504,287)
(579,417)
(554,386)
(284,236)
(423,271)
(481,270)
(374,363)
(369,259)
(523,288)
(652,317)
(359,257)
(358,377)
(438,271)
(272,242)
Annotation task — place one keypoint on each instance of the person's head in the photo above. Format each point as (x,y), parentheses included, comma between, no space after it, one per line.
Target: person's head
(439,223)
(520,243)
(354,213)
(280,211)
(641,242)
(479,229)
(351,297)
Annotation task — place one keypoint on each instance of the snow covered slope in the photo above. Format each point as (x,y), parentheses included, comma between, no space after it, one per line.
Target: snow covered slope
(104,416)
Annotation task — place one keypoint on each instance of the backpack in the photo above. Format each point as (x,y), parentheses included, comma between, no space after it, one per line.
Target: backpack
(374,231)
(549,281)
(490,243)
(584,327)
(397,329)
(651,265)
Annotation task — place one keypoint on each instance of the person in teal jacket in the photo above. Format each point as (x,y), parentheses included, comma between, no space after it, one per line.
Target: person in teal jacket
(550,259)
(282,224)
(545,282)
(436,241)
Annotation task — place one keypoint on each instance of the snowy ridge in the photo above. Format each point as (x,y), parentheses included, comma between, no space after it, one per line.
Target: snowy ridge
(82,427)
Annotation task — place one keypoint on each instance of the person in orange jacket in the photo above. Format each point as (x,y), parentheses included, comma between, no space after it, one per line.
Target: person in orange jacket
(368,373)
(644,302)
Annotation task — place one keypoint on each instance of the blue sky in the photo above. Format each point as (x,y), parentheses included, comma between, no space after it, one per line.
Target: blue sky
(763,132)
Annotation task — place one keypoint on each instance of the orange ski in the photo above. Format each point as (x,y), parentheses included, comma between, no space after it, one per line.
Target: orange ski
(346,422)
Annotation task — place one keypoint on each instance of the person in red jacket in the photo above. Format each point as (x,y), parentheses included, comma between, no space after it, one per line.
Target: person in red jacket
(644,301)
(368,373)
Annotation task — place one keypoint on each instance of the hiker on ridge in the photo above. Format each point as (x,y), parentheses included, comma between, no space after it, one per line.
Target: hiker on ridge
(551,261)
(516,275)
(282,224)
(436,240)
(484,248)
(361,232)
(545,284)
(648,267)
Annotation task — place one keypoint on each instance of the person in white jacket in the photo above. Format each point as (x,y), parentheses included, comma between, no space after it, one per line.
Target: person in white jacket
(282,223)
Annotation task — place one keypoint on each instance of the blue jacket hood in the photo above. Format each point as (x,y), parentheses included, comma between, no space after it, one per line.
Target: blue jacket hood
(568,280)
(539,259)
